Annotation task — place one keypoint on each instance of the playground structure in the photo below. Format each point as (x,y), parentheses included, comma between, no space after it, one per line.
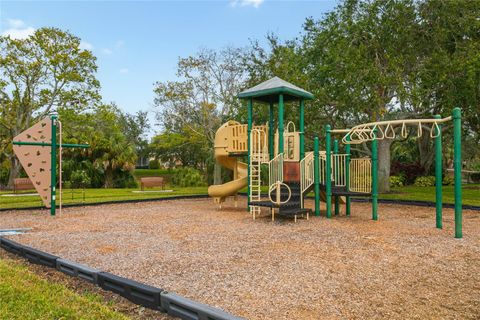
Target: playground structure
(36,149)
(293,173)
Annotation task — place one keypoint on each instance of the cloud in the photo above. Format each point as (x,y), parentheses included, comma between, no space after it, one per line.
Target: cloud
(246,3)
(17,29)
(120,43)
(124,71)
(84,45)
(107,51)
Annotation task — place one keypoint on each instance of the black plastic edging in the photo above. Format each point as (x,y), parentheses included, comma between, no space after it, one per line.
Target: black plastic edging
(138,293)
(195,196)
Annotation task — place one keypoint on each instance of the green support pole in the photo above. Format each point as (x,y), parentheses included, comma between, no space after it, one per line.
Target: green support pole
(280,123)
(249,130)
(53,179)
(302,129)
(347,176)
(438,174)
(271,134)
(316,175)
(457,169)
(375,178)
(337,200)
(328,173)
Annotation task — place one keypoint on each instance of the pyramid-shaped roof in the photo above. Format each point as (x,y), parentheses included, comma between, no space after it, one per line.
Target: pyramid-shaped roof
(269,90)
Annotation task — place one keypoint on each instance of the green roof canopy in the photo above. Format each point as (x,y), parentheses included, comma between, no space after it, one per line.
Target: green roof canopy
(269,90)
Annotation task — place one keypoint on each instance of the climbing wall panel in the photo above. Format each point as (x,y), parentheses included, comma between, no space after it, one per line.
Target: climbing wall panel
(36,160)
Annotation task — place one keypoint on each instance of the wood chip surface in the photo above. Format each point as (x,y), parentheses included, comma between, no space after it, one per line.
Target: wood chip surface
(400,267)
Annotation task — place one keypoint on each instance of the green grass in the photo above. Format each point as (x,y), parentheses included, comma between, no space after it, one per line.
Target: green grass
(96,196)
(24,295)
(470,194)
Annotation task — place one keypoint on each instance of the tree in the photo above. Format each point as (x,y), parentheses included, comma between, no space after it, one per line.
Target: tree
(40,74)
(204,98)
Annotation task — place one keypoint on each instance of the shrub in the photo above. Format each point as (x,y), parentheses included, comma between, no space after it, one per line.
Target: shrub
(410,171)
(475,177)
(187,177)
(447,180)
(427,181)
(397,181)
(154,164)
(79,178)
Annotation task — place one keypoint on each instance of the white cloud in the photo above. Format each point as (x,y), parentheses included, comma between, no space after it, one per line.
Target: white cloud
(15,23)
(17,29)
(120,43)
(245,3)
(84,45)
(107,51)
(124,71)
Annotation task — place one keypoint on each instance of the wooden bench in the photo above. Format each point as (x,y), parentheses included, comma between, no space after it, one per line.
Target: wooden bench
(22,184)
(152,182)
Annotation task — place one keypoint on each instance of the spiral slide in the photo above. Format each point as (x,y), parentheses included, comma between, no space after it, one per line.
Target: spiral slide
(222,142)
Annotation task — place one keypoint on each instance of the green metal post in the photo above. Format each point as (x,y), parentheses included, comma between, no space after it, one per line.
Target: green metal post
(302,129)
(347,176)
(270,132)
(280,123)
(337,200)
(438,174)
(249,130)
(53,179)
(375,178)
(457,169)
(328,171)
(316,175)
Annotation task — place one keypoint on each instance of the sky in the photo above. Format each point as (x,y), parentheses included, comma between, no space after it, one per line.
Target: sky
(139,42)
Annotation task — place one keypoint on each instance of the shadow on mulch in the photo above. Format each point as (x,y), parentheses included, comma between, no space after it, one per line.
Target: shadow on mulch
(113,300)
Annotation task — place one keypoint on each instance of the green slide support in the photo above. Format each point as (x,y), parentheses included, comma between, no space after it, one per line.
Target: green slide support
(328,171)
(280,123)
(337,200)
(347,176)
(302,129)
(374,178)
(316,175)
(270,132)
(438,174)
(457,169)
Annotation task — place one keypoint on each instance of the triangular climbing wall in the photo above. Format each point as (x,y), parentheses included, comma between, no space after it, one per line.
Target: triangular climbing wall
(36,160)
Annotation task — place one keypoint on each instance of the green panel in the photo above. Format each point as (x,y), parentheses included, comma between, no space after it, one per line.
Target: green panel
(53,180)
(249,130)
(302,129)
(271,133)
(337,199)
(457,167)
(347,177)
(280,123)
(438,175)
(316,177)
(328,171)
(375,178)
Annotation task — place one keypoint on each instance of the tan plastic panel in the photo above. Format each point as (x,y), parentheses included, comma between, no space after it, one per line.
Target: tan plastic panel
(36,160)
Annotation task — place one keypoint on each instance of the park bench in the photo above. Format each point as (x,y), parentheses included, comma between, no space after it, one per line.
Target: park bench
(22,184)
(152,182)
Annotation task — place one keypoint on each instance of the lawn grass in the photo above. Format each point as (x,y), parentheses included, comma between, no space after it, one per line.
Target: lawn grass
(470,192)
(24,295)
(75,196)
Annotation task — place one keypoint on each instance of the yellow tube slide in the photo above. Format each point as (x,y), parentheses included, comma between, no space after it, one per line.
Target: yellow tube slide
(223,138)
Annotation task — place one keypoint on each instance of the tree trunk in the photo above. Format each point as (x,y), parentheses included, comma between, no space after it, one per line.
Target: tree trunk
(108,177)
(426,152)
(14,170)
(384,165)
(217,173)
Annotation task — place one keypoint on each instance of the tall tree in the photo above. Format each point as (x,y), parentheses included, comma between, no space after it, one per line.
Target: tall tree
(39,74)
(204,97)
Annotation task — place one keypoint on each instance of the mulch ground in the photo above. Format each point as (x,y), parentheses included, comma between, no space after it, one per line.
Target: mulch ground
(400,267)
